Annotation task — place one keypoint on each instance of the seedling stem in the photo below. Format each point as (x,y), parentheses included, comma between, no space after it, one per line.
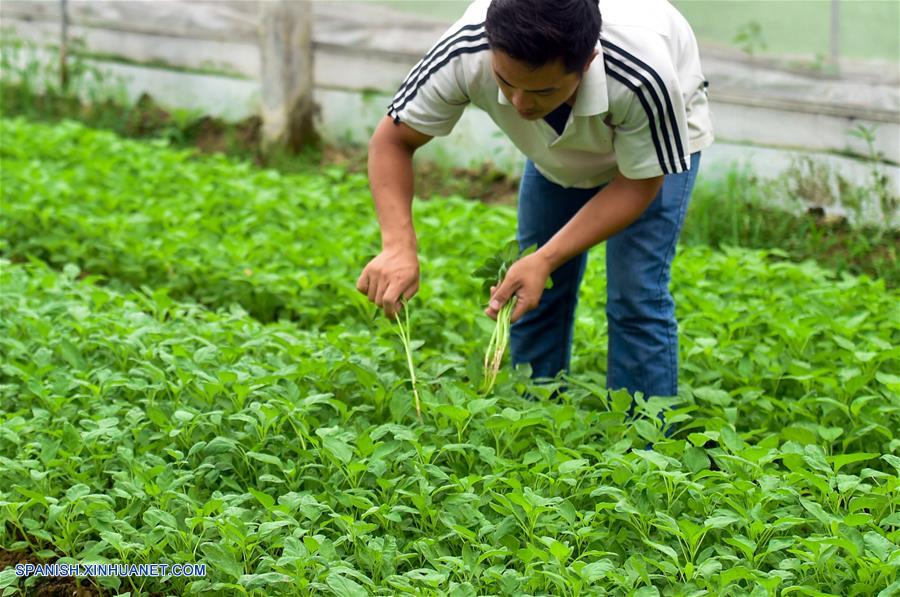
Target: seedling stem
(403,330)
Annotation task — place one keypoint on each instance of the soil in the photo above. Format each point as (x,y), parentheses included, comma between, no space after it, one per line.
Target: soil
(50,586)
(485,184)
(211,135)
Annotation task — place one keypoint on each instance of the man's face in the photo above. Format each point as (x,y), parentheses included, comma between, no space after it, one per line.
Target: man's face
(534,93)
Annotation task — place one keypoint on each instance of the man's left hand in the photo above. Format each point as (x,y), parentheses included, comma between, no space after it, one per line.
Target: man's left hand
(526,279)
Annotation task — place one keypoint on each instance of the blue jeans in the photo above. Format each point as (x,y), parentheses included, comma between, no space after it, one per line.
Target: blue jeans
(643,333)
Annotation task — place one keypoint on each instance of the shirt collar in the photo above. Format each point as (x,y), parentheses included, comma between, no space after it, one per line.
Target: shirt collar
(501,99)
(591,98)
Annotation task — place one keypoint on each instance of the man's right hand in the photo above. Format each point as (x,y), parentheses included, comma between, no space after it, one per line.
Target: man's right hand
(392,275)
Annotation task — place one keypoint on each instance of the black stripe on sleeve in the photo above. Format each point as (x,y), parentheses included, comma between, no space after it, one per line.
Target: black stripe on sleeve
(663,130)
(655,75)
(458,52)
(453,39)
(637,91)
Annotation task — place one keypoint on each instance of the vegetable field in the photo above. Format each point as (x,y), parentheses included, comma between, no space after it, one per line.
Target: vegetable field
(188,375)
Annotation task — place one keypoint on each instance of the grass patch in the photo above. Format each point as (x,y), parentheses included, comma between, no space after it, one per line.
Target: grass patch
(737,210)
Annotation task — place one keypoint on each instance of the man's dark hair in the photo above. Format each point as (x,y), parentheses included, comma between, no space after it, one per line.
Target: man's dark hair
(539,32)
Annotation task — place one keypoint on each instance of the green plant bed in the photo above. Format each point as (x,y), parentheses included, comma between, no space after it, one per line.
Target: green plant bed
(214,229)
(289,461)
(154,409)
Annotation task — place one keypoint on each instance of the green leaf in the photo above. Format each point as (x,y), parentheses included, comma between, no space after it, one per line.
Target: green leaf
(709,568)
(699,439)
(829,434)
(714,396)
(266,581)
(858,519)
(343,586)
(891,381)
(879,545)
(426,575)
(113,539)
(665,549)
(155,517)
(480,405)
(842,460)
(71,354)
(722,519)
(456,414)
(731,440)
(8,579)
(266,458)
(595,571)
(745,545)
(696,459)
(560,551)
(647,430)
(222,559)
(891,520)
(817,511)
(465,589)
(890,590)
(894,461)
(657,460)
(571,466)
(78,491)
(338,448)
(267,501)
(220,445)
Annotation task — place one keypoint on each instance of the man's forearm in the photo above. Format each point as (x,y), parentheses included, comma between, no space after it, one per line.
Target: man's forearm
(614,208)
(391,181)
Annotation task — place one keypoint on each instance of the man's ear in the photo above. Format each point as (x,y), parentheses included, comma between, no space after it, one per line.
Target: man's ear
(587,64)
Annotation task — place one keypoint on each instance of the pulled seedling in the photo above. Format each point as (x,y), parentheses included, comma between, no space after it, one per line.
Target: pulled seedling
(402,328)
(492,272)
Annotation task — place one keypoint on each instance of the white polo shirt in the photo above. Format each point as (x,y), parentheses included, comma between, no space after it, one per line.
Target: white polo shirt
(641,110)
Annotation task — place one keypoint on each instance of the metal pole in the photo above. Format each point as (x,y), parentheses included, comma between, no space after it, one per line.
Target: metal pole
(64,45)
(835,50)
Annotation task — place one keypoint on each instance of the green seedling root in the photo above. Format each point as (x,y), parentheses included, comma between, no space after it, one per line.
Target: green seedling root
(402,329)
(493,358)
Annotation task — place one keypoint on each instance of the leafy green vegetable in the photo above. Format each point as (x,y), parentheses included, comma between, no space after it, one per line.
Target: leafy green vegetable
(492,272)
(493,357)
(160,403)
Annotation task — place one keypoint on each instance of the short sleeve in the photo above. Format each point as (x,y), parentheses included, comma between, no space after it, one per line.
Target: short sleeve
(434,95)
(650,124)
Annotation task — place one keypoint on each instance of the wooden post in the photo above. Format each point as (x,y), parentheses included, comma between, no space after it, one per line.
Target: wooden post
(64,46)
(285,42)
